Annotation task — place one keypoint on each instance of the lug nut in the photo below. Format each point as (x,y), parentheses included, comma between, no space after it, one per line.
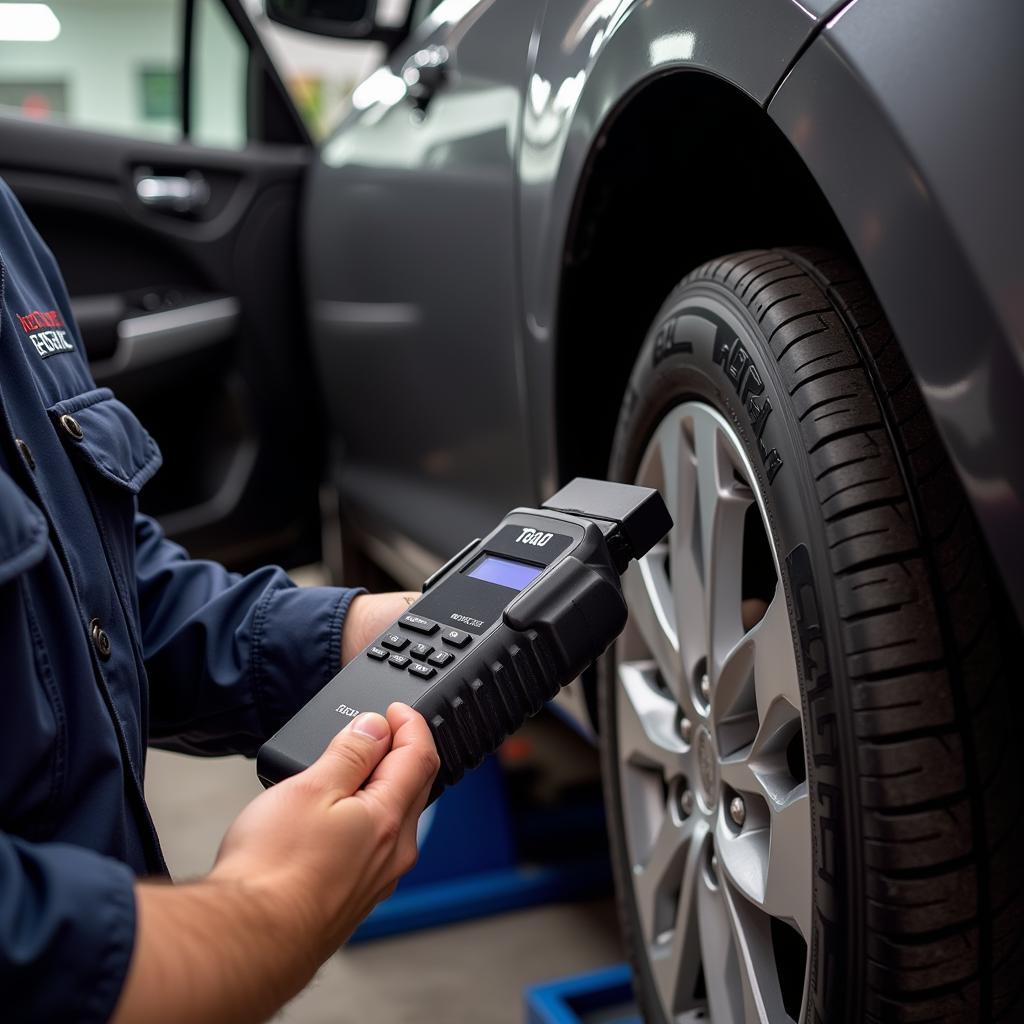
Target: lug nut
(738,811)
(686,803)
(685,729)
(705,687)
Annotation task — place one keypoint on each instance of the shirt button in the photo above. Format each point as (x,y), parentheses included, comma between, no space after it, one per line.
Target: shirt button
(72,427)
(26,453)
(99,638)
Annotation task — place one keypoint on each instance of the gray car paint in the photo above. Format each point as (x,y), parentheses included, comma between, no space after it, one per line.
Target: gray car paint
(439,364)
(420,249)
(908,116)
(599,53)
(412,240)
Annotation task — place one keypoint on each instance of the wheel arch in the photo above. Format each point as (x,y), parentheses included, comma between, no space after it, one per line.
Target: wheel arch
(632,235)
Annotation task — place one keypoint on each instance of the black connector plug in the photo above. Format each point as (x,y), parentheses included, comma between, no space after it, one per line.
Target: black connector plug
(637,517)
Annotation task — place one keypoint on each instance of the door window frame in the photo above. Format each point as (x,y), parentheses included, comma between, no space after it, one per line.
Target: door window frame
(270,114)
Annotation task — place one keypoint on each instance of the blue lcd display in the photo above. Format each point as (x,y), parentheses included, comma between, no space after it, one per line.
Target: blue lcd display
(506,573)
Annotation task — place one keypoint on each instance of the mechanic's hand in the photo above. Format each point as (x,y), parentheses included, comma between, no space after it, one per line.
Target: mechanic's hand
(321,850)
(368,616)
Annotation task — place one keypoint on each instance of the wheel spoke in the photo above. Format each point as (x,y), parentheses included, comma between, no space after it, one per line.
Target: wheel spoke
(661,463)
(743,856)
(722,506)
(769,859)
(738,772)
(647,722)
(675,952)
(733,711)
(757,695)
(686,555)
(759,980)
(719,955)
(775,671)
(787,887)
(647,594)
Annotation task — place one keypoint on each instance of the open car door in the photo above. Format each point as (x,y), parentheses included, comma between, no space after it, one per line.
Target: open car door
(155,148)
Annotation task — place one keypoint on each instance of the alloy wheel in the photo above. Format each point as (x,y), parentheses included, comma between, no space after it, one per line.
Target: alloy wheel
(710,741)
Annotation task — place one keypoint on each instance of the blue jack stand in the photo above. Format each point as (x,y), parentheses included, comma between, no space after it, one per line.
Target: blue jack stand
(605,995)
(469,867)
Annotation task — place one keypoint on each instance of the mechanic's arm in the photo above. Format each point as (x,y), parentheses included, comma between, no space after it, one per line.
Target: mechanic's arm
(230,658)
(297,871)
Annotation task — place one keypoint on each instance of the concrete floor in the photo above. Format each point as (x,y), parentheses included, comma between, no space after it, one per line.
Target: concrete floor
(470,973)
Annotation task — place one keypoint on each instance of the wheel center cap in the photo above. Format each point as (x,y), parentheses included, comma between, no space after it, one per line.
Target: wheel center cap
(707,763)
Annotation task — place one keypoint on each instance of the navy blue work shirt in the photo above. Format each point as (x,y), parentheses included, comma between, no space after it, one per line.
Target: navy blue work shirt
(111,638)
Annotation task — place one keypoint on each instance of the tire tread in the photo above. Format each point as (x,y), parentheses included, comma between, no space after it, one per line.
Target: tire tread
(922,656)
(926,637)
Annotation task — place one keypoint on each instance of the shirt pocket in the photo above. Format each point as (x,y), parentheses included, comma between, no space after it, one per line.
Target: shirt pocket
(115,456)
(32,754)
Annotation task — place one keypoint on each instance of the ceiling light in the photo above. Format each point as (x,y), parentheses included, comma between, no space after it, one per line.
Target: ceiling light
(28,23)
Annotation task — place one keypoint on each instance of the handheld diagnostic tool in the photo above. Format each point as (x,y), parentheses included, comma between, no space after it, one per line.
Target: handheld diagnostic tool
(498,631)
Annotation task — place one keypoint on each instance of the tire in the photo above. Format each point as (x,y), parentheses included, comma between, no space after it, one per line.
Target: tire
(900,642)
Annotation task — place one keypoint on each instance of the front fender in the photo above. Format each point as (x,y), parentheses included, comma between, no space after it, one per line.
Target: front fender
(907,116)
(590,56)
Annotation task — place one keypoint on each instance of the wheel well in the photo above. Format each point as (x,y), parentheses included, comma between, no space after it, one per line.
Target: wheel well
(688,168)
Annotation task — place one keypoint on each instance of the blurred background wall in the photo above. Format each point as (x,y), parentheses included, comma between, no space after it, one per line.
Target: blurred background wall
(115,65)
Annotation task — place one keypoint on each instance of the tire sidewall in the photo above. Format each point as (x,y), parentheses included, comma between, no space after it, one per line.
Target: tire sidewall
(706,346)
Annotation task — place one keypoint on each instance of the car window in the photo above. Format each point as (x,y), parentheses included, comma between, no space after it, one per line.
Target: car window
(116,66)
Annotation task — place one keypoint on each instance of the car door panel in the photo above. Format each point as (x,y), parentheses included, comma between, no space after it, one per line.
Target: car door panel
(410,244)
(194,318)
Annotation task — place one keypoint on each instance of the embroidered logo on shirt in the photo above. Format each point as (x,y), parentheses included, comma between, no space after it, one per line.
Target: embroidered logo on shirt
(47,332)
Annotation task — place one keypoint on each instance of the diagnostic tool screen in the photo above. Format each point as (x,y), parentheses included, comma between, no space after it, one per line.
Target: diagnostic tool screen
(505,572)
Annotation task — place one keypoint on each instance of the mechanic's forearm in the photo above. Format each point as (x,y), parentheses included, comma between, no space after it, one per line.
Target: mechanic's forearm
(213,950)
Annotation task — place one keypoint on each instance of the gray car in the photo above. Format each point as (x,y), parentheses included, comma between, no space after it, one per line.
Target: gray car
(766,257)
(761,254)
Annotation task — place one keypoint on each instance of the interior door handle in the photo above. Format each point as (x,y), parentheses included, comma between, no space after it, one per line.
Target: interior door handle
(147,339)
(424,73)
(175,193)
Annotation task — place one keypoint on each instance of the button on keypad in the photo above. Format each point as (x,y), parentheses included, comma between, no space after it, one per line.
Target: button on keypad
(423,671)
(440,658)
(377,653)
(394,641)
(420,651)
(455,637)
(410,620)
(398,661)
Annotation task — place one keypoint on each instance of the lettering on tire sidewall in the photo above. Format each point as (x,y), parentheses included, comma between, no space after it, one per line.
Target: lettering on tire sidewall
(731,358)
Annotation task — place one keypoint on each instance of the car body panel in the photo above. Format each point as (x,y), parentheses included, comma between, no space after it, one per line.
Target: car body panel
(410,250)
(590,56)
(443,241)
(419,241)
(920,157)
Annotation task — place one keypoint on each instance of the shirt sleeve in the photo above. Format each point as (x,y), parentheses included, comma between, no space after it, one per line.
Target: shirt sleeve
(229,658)
(67,928)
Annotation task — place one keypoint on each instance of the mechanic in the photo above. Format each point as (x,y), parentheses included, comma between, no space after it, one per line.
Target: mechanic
(111,638)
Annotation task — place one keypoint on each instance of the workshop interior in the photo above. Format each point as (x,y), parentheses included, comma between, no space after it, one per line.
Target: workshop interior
(672,353)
